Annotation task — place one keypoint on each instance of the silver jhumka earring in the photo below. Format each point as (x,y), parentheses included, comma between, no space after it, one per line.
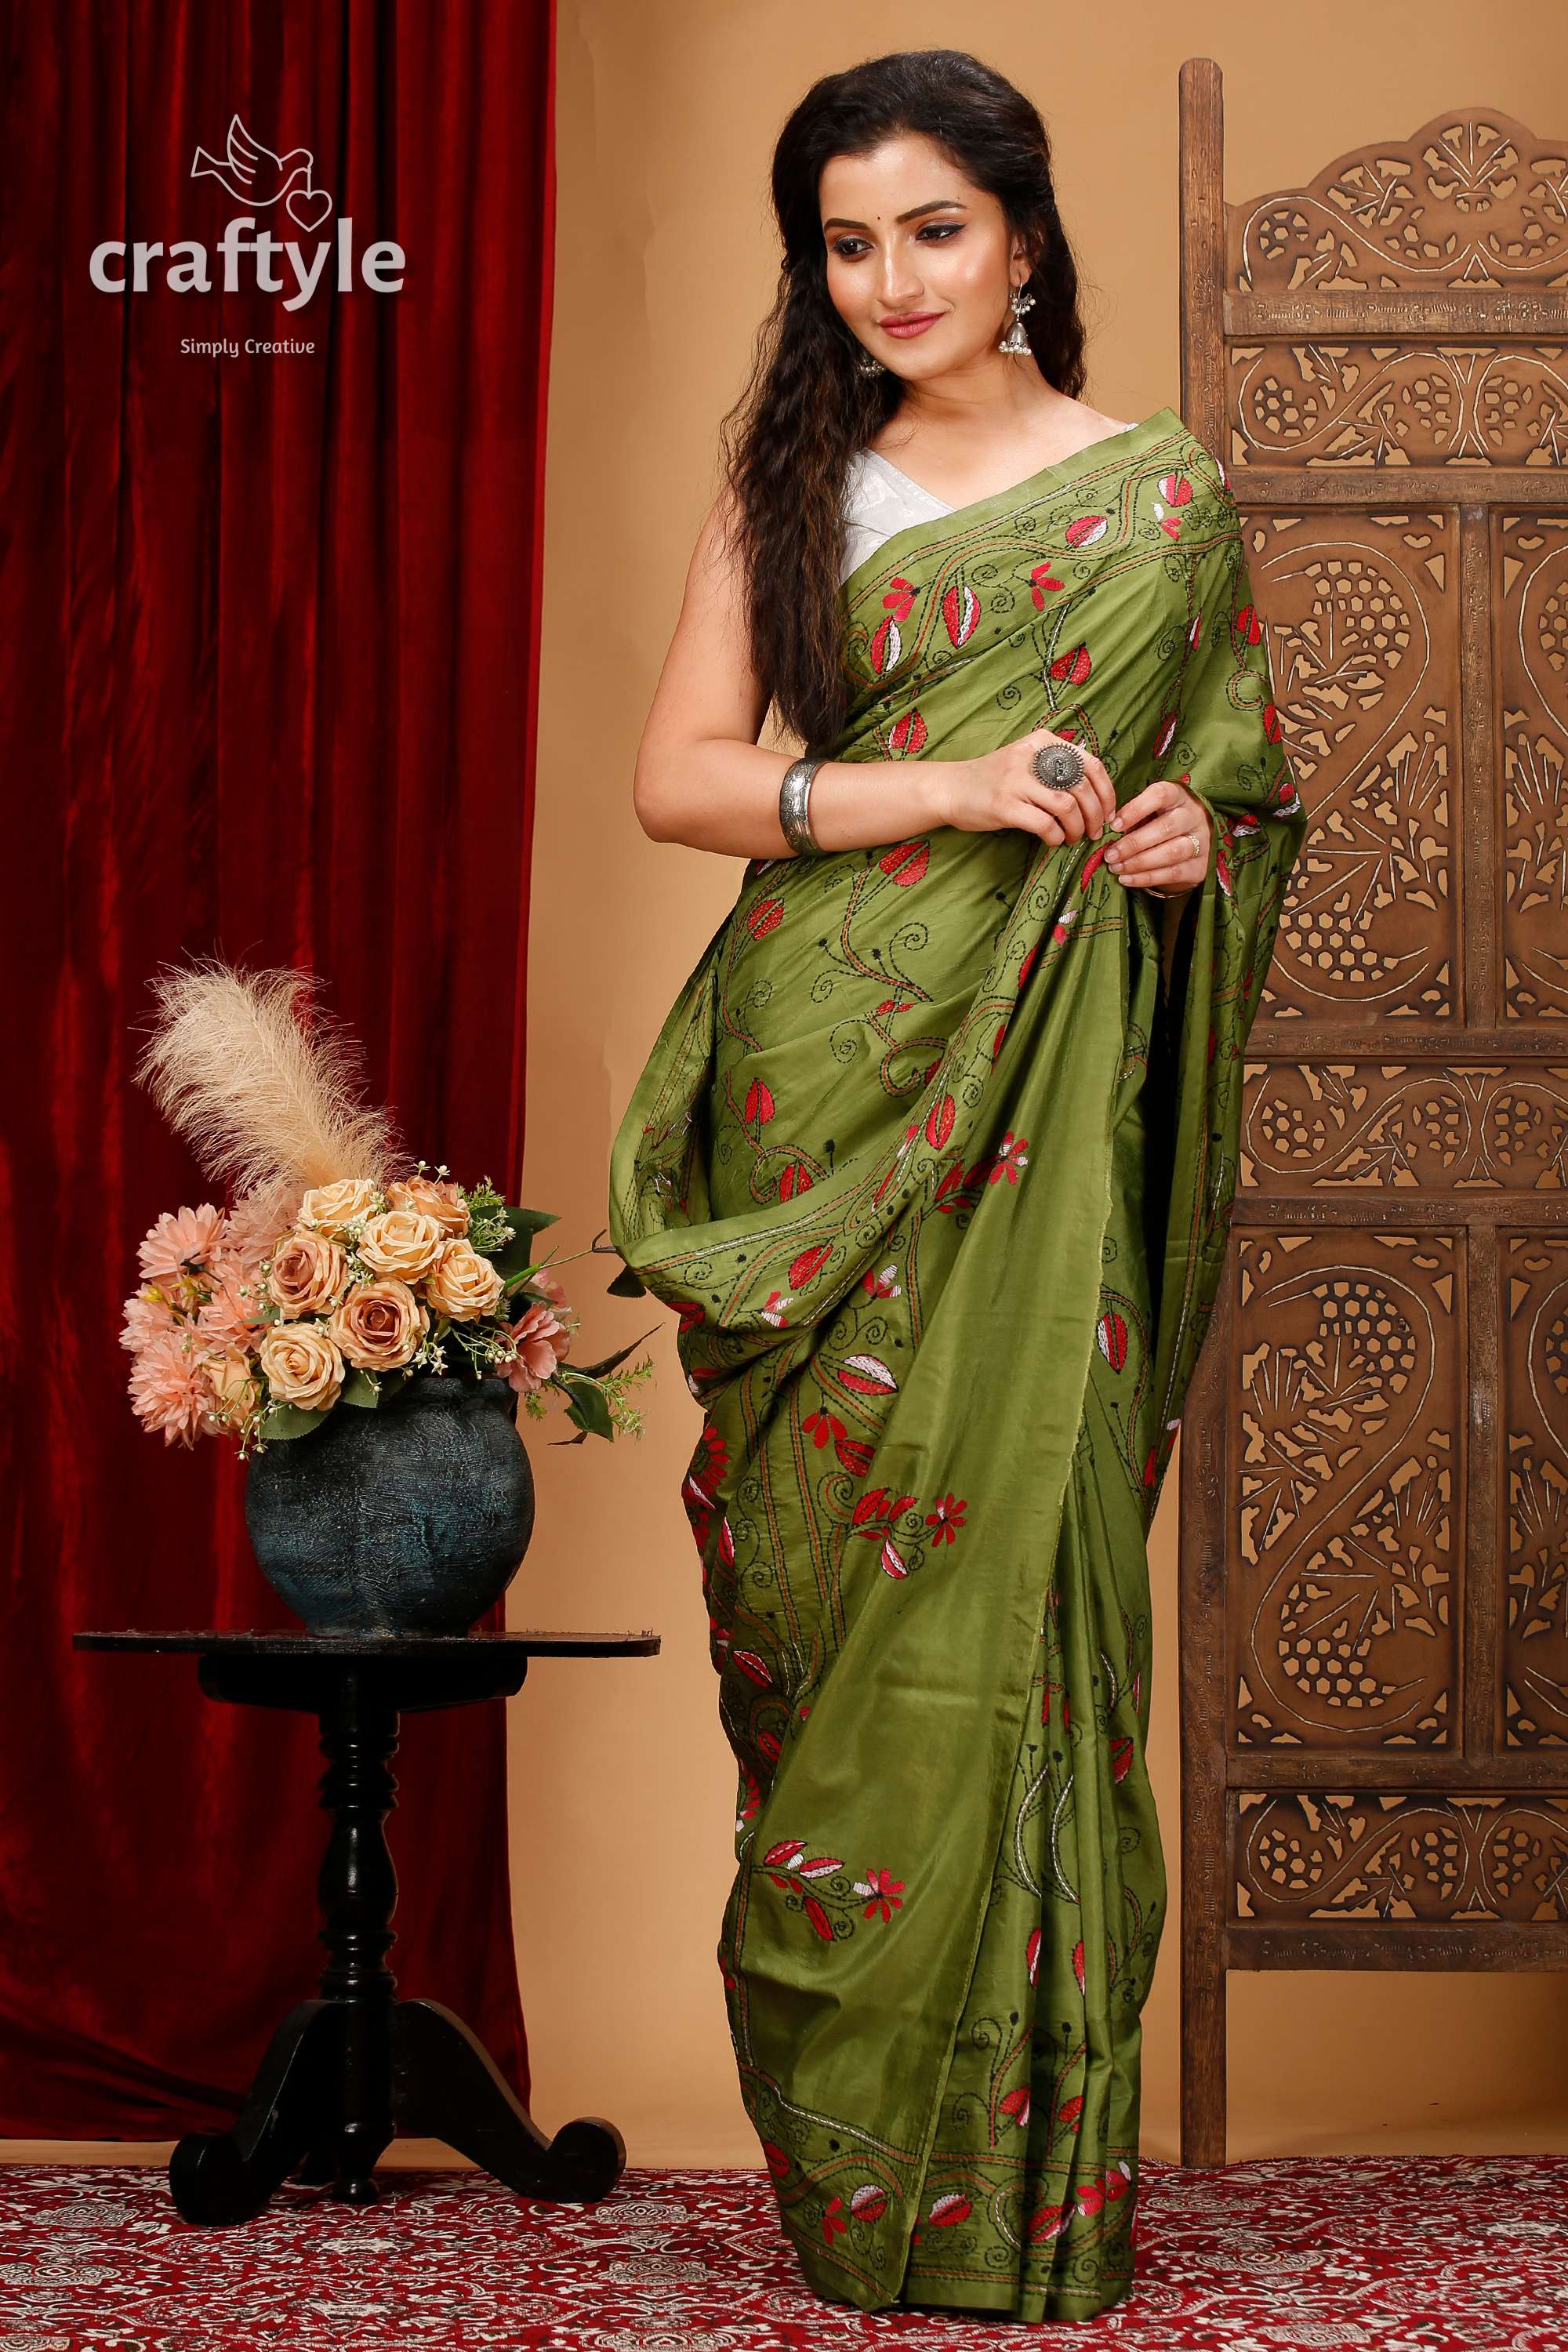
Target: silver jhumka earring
(1016,339)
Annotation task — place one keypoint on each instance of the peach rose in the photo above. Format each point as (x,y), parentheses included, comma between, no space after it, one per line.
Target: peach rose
(234,1388)
(445,1202)
(379,1324)
(462,1284)
(330,1207)
(405,1242)
(308,1272)
(302,1365)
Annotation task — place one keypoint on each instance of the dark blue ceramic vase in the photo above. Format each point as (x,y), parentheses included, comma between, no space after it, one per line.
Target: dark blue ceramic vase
(411,1518)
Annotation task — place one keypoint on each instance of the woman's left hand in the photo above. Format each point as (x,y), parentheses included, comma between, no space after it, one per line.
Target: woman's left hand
(1164,839)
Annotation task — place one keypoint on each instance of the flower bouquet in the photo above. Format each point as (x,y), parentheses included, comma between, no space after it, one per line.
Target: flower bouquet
(346,1291)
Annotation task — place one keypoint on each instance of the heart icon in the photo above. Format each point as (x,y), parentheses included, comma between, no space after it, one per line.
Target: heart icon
(309,206)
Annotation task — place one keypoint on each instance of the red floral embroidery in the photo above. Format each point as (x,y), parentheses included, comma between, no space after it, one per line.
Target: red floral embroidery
(946,1518)
(887,1893)
(960,611)
(1012,1153)
(1040,578)
(907,861)
(939,1125)
(1111,1332)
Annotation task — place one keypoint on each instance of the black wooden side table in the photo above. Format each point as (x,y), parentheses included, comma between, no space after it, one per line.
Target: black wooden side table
(344,2073)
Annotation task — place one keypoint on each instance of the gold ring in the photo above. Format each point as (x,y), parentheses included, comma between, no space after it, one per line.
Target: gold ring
(1197,840)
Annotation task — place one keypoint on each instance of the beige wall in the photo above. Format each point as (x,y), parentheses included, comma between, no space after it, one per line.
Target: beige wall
(623,1786)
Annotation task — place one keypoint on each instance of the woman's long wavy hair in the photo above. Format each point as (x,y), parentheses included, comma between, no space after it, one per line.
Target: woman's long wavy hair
(807,408)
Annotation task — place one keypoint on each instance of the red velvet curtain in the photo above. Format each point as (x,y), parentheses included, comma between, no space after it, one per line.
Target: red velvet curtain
(266,665)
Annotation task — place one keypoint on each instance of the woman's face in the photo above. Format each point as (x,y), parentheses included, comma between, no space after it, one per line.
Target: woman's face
(909,237)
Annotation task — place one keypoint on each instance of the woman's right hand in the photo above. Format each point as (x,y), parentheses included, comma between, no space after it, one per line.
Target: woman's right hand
(1000,790)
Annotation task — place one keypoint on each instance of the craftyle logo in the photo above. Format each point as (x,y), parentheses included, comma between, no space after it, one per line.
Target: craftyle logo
(253,174)
(256,178)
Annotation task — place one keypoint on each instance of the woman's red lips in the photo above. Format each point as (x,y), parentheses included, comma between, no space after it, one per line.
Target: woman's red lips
(911,325)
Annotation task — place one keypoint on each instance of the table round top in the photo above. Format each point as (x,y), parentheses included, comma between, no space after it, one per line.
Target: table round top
(522,1642)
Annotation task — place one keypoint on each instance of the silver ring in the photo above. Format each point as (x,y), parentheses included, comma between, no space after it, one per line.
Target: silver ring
(1197,840)
(1059,766)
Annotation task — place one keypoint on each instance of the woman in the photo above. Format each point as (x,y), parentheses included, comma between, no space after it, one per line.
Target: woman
(935,1162)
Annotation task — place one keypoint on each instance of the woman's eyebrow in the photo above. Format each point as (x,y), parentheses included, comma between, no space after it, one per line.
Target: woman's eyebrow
(937,203)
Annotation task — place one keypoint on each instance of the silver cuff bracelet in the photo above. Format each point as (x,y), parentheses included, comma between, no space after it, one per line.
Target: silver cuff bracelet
(795,798)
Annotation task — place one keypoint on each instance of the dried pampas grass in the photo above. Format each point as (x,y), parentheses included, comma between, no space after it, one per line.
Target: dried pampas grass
(261,1102)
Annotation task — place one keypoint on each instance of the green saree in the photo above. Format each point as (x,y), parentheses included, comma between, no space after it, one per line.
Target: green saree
(935,1162)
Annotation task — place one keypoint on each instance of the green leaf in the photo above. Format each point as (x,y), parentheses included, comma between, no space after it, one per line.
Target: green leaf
(290,1421)
(519,1252)
(627,1284)
(609,1363)
(358,1388)
(587,1405)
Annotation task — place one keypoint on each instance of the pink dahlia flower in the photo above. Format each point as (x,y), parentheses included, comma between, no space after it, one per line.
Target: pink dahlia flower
(255,1222)
(181,1238)
(232,1316)
(541,1340)
(167,1388)
(143,1319)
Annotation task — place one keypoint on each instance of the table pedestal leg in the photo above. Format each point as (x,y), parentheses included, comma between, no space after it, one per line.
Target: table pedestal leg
(446,2086)
(225,2177)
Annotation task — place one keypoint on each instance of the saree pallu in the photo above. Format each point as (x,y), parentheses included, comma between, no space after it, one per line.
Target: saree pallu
(935,1162)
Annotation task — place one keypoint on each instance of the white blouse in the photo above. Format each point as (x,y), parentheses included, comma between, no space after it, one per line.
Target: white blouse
(877,501)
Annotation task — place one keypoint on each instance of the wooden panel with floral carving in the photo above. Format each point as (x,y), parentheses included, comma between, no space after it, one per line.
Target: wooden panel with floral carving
(1345,1576)
(1404,1126)
(1324,1855)
(1363,618)
(1534,1275)
(1529,600)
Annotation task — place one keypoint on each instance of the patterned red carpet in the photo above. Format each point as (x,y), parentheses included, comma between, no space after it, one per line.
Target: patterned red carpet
(1326,2254)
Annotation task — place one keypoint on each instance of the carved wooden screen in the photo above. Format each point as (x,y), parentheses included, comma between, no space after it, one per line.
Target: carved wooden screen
(1375,1525)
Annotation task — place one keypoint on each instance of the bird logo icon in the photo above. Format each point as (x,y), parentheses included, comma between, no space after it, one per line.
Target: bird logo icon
(254,176)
